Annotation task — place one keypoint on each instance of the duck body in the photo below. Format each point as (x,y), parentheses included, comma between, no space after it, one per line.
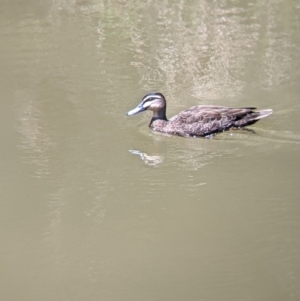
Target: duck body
(197,121)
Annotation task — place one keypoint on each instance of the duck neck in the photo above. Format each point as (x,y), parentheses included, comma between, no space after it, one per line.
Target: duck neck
(159,115)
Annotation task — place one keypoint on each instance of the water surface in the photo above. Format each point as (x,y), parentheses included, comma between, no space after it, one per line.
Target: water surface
(96,206)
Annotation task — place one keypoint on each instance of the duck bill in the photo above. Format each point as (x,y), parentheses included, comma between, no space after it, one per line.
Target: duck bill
(136,110)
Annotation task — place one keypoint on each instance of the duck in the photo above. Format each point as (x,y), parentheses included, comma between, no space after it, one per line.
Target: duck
(199,120)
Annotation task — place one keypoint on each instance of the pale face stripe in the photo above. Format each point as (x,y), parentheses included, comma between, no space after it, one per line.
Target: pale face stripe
(148,99)
(151,97)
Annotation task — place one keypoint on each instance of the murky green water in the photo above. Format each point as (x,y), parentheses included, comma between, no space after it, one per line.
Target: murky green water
(94,205)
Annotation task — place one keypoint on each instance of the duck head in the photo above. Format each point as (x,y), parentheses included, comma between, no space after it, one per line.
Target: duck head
(154,102)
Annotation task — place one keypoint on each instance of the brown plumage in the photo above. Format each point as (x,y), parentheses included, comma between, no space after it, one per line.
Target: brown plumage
(196,121)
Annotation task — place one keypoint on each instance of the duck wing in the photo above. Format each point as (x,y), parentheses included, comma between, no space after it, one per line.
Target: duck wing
(206,120)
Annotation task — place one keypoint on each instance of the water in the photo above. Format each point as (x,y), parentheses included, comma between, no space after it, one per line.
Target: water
(96,206)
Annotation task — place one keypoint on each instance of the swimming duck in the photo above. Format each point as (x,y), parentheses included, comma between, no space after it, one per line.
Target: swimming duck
(197,121)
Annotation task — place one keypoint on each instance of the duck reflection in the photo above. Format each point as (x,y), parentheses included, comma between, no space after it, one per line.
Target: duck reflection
(151,160)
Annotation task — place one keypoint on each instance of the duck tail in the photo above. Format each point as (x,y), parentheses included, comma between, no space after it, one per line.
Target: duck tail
(261,114)
(255,116)
(252,117)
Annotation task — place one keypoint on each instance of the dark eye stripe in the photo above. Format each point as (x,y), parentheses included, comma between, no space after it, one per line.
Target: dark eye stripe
(150,98)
